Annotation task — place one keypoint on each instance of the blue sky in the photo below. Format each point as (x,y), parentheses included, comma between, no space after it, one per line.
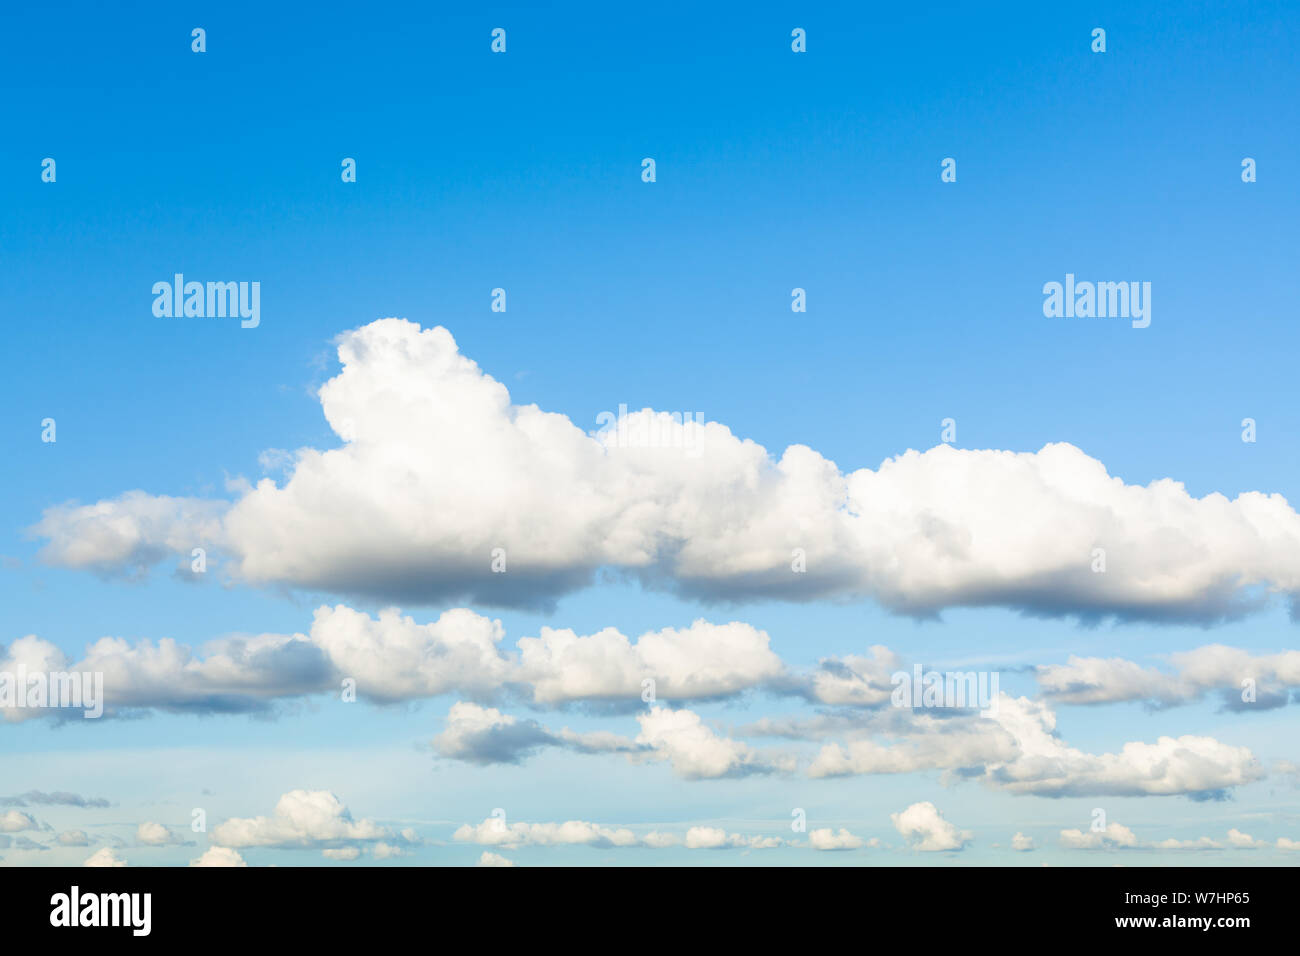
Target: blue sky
(775,170)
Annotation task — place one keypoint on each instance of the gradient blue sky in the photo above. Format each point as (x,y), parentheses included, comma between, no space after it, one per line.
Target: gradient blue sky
(522,171)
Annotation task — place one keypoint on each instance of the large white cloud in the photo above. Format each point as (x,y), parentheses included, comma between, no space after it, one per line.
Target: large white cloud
(437,469)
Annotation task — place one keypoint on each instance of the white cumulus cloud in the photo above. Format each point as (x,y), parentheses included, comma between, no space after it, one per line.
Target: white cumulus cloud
(104,856)
(828,839)
(924,828)
(155,834)
(437,468)
(302,818)
(219,856)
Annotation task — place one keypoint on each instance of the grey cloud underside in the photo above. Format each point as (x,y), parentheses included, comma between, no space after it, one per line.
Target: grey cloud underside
(1229,699)
(516,742)
(509,745)
(380,578)
(384,577)
(20,843)
(58,798)
(1070,593)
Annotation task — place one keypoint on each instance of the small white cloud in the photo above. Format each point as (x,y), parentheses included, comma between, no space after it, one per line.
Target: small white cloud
(14,821)
(155,834)
(827,839)
(104,856)
(496,832)
(1244,841)
(694,750)
(924,828)
(302,818)
(715,838)
(219,856)
(1116,836)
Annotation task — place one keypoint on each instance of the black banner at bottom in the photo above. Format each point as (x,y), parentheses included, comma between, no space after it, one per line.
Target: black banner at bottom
(334,905)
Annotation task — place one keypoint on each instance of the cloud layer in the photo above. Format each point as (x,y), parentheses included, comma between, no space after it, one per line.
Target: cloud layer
(1018,750)
(390,658)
